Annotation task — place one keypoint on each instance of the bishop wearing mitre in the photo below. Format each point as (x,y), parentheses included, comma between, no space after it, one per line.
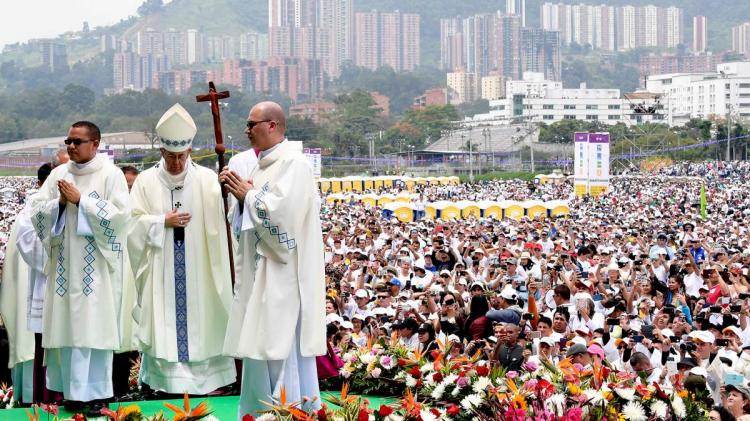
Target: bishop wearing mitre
(177,249)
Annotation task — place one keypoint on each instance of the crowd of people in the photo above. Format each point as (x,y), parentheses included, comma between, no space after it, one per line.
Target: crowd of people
(636,276)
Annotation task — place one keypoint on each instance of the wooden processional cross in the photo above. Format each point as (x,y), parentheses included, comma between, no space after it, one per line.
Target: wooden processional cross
(213,97)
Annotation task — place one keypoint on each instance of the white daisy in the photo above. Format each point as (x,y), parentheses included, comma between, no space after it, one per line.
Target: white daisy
(437,393)
(679,407)
(375,373)
(266,417)
(659,408)
(594,396)
(556,403)
(426,415)
(633,411)
(411,381)
(481,384)
(425,368)
(627,394)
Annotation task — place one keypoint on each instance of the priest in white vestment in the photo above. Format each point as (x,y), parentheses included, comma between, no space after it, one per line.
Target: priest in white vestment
(242,163)
(178,251)
(277,323)
(80,215)
(13,309)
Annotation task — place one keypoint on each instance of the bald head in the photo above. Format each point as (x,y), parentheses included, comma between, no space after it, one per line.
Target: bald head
(268,125)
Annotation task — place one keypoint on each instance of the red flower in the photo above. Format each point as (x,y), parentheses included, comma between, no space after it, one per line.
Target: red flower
(322,415)
(453,410)
(435,412)
(419,383)
(437,377)
(385,411)
(415,372)
(483,370)
(248,417)
(363,415)
(402,362)
(79,417)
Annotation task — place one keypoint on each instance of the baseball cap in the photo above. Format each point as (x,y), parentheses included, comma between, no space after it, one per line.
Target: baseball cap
(739,388)
(703,336)
(361,294)
(576,349)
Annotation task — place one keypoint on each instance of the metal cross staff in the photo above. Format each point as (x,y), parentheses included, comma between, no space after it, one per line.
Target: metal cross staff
(213,97)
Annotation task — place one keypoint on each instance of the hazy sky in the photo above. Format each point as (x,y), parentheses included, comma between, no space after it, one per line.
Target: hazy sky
(22,20)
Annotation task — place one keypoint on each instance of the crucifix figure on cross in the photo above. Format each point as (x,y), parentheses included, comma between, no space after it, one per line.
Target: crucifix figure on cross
(213,97)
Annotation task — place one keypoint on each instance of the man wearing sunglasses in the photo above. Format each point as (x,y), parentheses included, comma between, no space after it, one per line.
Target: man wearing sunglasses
(81,215)
(177,247)
(278,313)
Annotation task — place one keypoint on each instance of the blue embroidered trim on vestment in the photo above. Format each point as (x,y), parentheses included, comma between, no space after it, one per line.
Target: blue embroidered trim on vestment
(88,269)
(261,211)
(40,230)
(60,269)
(104,223)
(180,299)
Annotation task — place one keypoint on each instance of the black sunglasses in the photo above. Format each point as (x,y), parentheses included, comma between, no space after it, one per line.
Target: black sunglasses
(76,142)
(251,124)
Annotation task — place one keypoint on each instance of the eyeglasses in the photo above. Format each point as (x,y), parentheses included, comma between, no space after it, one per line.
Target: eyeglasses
(382,297)
(76,142)
(251,124)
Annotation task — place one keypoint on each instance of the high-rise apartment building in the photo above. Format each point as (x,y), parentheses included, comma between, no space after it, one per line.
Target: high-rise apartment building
(195,46)
(741,39)
(54,54)
(335,34)
(615,28)
(175,47)
(366,39)
(387,39)
(253,46)
(495,44)
(517,8)
(540,52)
(700,34)
(452,54)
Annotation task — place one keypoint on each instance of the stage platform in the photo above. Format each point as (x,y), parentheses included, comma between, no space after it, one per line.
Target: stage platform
(224,408)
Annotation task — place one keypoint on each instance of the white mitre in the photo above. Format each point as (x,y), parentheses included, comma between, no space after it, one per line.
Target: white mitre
(176,129)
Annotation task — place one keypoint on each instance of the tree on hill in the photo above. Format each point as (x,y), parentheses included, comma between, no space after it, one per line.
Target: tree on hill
(149,7)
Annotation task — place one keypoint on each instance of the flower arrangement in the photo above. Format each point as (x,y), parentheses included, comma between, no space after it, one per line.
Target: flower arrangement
(6,396)
(374,369)
(436,389)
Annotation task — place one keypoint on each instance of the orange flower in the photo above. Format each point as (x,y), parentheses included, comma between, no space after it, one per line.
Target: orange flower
(200,411)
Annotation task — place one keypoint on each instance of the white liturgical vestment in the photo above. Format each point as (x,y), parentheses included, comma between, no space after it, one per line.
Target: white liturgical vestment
(183,279)
(277,322)
(13,302)
(82,302)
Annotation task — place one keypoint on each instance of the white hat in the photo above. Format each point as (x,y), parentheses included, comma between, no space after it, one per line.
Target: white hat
(347,325)
(703,336)
(509,293)
(699,371)
(359,316)
(733,329)
(333,318)
(176,129)
(548,340)
(361,293)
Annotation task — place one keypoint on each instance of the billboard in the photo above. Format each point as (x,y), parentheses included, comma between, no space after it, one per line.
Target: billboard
(598,163)
(581,164)
(314,156)
(591,161)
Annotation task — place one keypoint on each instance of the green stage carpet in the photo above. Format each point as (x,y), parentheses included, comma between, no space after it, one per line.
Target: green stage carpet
(224,408)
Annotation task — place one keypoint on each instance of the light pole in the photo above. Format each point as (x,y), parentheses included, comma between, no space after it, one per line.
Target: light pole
(729,132)
(471,162)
